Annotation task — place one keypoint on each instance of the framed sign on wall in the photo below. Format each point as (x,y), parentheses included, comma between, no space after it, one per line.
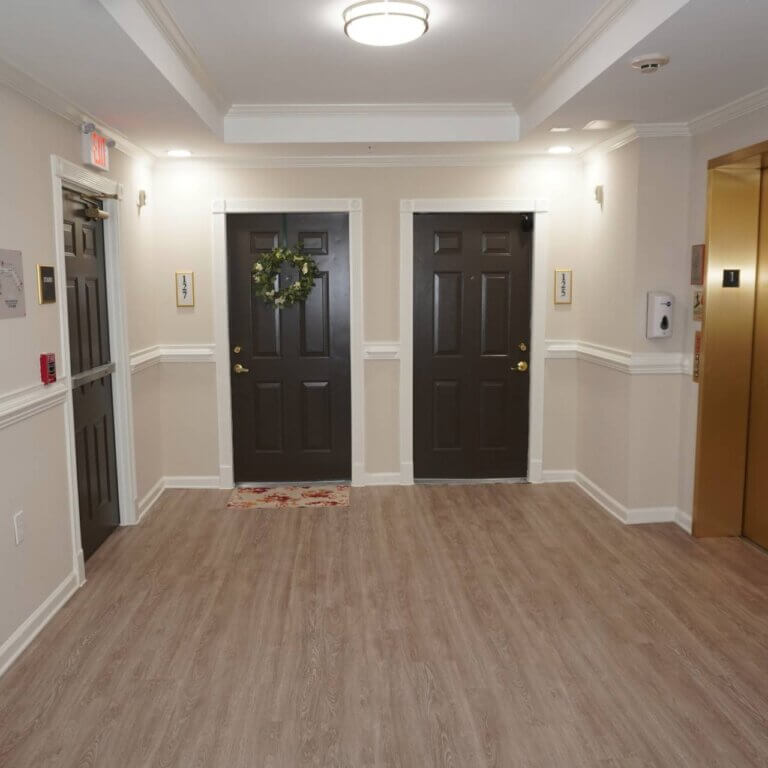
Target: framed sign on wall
(11,285)
(563,286)
(185,289)
(46,284)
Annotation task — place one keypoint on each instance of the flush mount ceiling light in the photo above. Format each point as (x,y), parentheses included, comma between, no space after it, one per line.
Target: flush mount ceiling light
(386,22)
(179,153)
(650,63)
(561,149)
(559,130)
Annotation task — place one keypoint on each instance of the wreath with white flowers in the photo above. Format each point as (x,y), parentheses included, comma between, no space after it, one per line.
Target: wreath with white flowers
(268,266)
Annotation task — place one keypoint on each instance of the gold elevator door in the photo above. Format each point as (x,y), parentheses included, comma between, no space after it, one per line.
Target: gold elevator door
(756,488)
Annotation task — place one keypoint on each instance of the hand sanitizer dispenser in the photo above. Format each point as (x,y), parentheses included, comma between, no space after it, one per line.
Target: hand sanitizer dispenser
(660,306)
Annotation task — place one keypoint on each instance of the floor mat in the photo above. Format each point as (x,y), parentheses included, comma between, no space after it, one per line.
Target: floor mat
(290,496)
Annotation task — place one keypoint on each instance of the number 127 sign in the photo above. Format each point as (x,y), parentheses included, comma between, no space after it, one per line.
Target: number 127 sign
(185,289)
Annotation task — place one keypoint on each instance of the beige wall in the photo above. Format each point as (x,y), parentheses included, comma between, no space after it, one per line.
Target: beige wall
(33,468)
(183,193)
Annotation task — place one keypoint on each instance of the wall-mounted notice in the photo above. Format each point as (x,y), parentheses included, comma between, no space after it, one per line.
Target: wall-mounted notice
(697,356)
(11,285)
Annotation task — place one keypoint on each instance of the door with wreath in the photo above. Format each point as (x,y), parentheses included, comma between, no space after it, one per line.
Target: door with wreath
(289,356)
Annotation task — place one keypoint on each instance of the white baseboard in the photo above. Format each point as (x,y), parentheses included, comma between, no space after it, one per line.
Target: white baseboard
(626,515)
(12,648)
(173,481)
(381,478)
(193,481)
(149,499)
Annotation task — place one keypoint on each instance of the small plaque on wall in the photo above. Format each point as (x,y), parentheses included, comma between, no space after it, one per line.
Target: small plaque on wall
(185,289)
(563,286)
(698,264)
(46,284)
(11,285)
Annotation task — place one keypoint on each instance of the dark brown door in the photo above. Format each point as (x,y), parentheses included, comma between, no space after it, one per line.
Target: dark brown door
(472,309)
(91,373)
(291,409)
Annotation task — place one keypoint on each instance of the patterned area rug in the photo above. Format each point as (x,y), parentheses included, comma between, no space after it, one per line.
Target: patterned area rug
(290,496)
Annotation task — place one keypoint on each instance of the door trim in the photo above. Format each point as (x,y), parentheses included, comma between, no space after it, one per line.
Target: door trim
(62,172)
(539,288)
(220,209)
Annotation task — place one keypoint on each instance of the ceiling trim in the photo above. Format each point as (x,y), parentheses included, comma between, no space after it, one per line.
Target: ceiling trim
(321,110)
(731,111)
(60,105)
(169,28)
(598,23)
(620,33)
(152,39)
(661,130)
(363,123)
(374,161)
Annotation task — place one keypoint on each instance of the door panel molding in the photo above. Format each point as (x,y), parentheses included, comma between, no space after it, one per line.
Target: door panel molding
(539,287)
(65,172)
(354,208)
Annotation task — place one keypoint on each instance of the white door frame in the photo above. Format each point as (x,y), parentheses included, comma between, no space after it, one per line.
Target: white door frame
(220,209)
(539,290)
(62,172)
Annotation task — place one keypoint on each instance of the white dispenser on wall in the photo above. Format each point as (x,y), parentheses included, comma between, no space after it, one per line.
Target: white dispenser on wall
(660,306)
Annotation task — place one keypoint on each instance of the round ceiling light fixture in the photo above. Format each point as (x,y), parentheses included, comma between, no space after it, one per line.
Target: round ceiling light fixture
(650,63)
(560,149)
(386,22)
(179,153)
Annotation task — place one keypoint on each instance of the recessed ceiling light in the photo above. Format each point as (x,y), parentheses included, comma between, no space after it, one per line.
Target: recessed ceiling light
(386,22)
(179,153)
(599,125)
(561,149)
(650,63)
(559,130)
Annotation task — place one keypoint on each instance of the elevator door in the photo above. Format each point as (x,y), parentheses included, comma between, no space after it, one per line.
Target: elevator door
(756,490)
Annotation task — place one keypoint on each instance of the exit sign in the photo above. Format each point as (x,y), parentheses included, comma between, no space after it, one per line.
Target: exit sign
(95,150)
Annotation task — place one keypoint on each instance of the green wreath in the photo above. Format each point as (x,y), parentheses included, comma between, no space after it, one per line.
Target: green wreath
(267,267)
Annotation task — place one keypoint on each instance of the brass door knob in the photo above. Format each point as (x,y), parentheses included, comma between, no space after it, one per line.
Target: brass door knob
(522,366)
(240,369)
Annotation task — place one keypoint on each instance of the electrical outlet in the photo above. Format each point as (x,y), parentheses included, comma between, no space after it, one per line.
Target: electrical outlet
(18,527)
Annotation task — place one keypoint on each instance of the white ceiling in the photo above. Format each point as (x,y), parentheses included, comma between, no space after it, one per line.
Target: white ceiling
(295,52)
(718,53)
(559,62)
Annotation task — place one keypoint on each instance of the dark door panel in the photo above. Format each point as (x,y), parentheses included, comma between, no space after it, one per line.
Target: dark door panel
(291,410)
(91,374)
(472,305)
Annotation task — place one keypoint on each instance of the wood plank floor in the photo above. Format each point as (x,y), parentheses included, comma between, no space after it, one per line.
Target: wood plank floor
(510,626)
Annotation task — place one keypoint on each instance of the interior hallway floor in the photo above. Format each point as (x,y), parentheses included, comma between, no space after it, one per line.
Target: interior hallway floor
(505,625)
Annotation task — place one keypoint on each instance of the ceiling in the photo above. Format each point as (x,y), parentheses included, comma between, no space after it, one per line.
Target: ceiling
(294,51)
(265,79)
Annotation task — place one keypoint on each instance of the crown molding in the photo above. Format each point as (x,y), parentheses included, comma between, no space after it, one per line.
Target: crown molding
(60,105)
(661,130)
(731,111)
(495,160)
(598,23)
(168,27)
(355,110)
(152,29)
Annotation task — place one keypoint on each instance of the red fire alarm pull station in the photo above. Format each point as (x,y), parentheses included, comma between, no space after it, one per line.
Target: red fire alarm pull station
(48,368)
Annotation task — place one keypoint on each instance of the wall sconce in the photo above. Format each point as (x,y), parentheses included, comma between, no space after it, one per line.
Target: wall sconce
(599,195)
(142,200)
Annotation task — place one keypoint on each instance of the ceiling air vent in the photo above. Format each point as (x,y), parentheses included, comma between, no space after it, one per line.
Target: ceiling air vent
(650,63)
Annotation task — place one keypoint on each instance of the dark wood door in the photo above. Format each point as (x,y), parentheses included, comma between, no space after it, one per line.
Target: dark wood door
(472,309)
(91,373)
(291,410)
